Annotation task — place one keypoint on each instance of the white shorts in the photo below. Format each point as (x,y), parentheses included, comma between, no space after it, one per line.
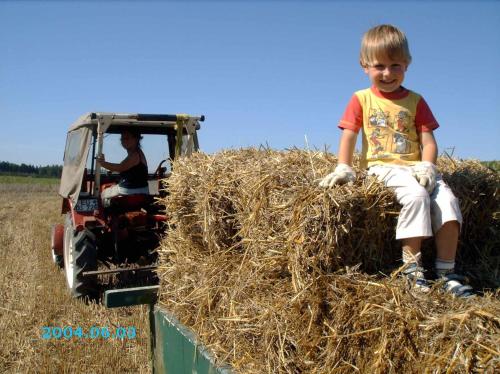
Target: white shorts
(117,190)
(421,214)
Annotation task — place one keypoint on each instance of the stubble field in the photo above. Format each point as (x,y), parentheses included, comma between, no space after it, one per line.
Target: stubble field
(33,295)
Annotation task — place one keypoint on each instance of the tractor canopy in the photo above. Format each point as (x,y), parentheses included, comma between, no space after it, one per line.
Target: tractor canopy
(87,132)
(75,160)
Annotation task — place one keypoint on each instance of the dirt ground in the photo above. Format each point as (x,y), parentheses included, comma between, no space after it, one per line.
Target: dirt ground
(33,295)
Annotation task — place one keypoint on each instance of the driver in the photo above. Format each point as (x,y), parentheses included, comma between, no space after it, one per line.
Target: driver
(133,169)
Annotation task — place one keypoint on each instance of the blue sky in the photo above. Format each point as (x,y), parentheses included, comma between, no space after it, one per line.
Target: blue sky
(262,72)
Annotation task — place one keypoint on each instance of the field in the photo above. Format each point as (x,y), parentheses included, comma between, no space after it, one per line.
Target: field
(33,293)
(28,180)
(33,296)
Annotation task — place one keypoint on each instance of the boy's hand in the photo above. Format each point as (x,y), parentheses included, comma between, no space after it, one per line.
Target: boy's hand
(343,173)
(425,173)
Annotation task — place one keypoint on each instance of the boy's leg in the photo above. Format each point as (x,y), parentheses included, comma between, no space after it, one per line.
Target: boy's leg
(411,250)
(414,222)
(412,259)
(447,241)
(446,221)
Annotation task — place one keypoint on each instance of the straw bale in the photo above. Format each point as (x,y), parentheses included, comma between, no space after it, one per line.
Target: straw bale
(478,190)
(280,276)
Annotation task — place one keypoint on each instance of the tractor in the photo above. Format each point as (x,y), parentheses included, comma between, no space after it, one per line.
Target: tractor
(119,236)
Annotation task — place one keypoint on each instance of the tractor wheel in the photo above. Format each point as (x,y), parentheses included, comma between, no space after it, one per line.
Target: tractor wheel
(57,259)
(79,257)
(57,245)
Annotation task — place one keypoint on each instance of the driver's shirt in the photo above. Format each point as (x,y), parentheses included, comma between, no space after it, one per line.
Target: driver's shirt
(135,177)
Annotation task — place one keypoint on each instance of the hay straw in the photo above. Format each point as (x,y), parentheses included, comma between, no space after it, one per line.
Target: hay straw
(280,276)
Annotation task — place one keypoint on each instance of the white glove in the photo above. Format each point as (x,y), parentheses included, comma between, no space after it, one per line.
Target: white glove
(343,173)
(425,173)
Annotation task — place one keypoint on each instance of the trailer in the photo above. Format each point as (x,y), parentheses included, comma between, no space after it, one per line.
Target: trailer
(175,349)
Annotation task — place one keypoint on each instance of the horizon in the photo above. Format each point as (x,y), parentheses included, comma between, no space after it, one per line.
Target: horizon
(61,164)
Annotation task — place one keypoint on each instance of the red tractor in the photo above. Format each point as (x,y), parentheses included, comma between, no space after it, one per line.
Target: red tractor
(118,236)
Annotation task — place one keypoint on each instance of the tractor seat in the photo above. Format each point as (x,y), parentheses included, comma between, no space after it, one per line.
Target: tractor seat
(127,203)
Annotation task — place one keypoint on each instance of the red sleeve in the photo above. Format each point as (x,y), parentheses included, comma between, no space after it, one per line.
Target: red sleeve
(353,116)
(424,119)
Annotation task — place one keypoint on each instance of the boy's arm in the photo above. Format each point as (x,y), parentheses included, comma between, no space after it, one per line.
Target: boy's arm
(343,173)
(346,146)
(429,146)
(350,123)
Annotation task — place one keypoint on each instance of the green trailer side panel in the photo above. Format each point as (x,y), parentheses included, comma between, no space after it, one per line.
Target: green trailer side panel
(178,351)
(130,296)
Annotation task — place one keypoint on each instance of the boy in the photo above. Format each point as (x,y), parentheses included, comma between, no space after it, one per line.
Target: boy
(399,148)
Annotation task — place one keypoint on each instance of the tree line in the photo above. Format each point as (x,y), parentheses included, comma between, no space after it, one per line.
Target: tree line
(495,165)
(49,171)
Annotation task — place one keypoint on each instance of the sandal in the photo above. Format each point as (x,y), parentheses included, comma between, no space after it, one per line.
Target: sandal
(453,283)
(415,276)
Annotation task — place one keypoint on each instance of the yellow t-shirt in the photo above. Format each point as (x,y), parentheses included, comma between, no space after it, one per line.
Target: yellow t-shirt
(391,123)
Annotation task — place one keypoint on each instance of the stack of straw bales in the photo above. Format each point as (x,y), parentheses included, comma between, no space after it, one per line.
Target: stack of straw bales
(280,276)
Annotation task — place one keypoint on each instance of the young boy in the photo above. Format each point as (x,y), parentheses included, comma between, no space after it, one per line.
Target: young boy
(399,148)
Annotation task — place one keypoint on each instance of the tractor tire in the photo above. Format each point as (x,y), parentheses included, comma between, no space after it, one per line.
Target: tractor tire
(57,259)
(57,245)
(79,257)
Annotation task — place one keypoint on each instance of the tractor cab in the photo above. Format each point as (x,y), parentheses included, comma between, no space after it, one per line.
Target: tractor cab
(118,235)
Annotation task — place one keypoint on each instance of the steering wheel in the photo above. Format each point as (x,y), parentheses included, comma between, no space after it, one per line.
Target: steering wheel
(160,171)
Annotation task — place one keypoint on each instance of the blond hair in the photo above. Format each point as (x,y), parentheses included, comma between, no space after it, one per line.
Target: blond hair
(384,40)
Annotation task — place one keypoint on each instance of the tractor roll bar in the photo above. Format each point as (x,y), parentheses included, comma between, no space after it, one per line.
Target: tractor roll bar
(163,117)
(150,117)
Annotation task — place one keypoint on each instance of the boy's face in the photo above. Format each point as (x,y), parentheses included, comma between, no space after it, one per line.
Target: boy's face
(386,74)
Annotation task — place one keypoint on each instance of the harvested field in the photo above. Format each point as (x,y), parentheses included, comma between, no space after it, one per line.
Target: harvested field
(33,295)
(280,276)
